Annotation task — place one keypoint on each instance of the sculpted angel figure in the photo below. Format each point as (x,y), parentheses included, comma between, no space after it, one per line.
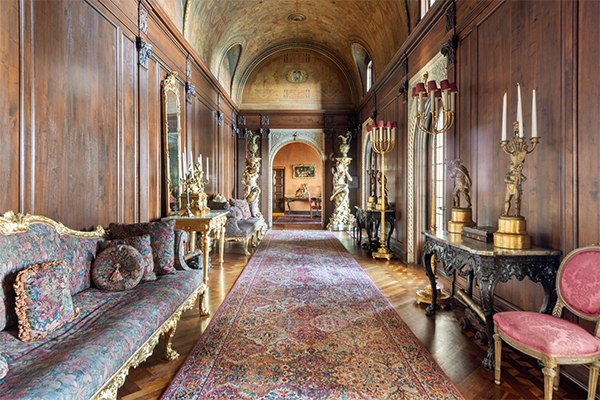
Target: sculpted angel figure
(340,185)
(249,178)
(462,182)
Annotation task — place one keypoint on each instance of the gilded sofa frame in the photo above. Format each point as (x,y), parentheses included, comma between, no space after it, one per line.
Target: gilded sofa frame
(12,223)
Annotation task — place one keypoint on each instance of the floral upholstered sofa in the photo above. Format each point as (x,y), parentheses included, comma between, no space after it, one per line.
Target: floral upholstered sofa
(244,223)
(61,336)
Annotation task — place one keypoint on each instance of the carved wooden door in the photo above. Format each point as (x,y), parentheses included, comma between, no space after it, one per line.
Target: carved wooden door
(278,189)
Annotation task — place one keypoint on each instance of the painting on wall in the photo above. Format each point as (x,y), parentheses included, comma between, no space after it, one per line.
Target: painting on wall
(303,171)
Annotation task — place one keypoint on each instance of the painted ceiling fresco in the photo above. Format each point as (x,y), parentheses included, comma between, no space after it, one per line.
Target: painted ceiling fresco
(297,80)
(174,9)
(262,27)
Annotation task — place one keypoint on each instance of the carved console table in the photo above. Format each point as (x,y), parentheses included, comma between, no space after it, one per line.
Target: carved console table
(371,220)
(490,265)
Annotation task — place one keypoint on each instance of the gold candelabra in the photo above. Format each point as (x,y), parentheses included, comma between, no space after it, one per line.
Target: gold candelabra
(446,93)
(383,141)
(442,109)
(512,229)
(195,183)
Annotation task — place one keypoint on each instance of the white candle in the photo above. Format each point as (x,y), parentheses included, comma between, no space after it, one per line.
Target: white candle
(452,100)
(504,136)
(533,117)
(519,111)
(206,167)
(200,162)
(420,103)
(184,163)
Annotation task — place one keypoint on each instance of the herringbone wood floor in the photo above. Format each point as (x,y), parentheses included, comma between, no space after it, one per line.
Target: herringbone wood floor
(454,349)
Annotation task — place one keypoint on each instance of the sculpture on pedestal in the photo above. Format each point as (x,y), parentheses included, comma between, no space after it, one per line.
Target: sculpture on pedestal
(461,216)
(342,218)
(250,176)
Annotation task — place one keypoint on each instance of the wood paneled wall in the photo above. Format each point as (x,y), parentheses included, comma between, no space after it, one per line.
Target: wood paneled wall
(553,47)
(81,121)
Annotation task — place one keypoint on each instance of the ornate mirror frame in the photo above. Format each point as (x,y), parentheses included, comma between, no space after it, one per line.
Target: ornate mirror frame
(172,143)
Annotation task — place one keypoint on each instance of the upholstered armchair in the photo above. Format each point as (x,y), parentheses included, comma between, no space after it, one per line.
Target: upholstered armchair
(551,339)
(314,204)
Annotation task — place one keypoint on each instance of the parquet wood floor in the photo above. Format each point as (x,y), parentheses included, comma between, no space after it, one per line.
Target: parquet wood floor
(455,350)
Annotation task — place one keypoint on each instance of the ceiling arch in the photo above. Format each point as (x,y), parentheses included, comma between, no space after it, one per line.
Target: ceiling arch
(331,25)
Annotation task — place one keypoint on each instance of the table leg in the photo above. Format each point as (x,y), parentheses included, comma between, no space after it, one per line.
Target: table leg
(486,288)
(192,241)
(205,251)
(430,310)
(289,208)
(550,295)
(221,243)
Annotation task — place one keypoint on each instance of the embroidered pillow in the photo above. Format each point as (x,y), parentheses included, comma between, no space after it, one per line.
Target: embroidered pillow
(118,268)
(3,367)
(243,205)
(162,241)
(43,299)
(142,245)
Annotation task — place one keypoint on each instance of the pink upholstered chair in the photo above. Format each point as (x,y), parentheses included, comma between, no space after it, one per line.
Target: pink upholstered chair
(552,339)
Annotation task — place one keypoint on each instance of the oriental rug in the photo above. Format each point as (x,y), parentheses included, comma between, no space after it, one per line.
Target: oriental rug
(298,219)
(304,321)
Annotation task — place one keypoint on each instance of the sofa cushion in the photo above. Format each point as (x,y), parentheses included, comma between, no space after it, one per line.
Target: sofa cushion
(75,361)
(3,367)
(243,205)
(162,241)
(249,225)
(41,243)
(118,267)
(219,205)
(43,299)
(142,245)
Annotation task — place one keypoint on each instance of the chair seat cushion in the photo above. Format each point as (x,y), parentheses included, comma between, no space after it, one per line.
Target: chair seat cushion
(554,337)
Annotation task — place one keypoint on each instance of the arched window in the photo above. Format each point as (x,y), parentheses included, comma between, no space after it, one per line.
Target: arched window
(369,82)
(440,175)
(228,66)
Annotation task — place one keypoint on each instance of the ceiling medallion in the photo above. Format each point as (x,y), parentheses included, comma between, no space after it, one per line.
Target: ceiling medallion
(296,17)
(296,76)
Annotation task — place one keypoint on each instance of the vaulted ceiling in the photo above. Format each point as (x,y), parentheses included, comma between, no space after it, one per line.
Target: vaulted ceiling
(331,27)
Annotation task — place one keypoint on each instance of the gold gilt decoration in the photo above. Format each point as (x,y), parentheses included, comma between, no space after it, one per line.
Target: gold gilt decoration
(11,222)
(109,390)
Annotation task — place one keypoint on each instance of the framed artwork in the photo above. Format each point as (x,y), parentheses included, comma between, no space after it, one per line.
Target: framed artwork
(303,171)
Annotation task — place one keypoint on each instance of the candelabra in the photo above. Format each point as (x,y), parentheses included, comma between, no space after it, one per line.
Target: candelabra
(442,119)
(512,229)
(382,142)
(195,182)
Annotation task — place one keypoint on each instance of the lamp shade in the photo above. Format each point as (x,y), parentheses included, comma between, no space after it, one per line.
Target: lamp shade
(437,93)
(445,85)
(380,124)
(414,92)
(453,88)
(420,88)
(394,124)
(431,85)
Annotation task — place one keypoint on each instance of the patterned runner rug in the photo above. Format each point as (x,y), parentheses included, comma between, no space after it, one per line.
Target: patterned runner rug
(296,220)
(304,321)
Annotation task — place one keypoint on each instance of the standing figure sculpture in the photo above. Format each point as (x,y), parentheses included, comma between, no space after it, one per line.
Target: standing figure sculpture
(462,183)
(383,184)
(373,175)
(251,188)
(342,218)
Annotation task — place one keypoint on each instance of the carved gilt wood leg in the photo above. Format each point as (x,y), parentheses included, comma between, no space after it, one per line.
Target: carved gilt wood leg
(205,256)
(549,371)
(203,303)
(170,354)
(246,251)
(557,377)
(593,380)
(221,243)
(498,356)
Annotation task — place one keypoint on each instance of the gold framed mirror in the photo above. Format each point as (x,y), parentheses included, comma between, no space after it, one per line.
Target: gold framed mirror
(172,142)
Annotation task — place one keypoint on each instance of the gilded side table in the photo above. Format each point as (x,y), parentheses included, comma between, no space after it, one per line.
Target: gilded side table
(490,265)
(214,223)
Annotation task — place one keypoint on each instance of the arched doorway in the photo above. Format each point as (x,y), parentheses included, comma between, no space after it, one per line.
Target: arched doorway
(314,140)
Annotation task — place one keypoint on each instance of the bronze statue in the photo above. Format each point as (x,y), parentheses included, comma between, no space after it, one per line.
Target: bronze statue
(462,182)
(373,174)
(384,184)
(345,145)
(517,149)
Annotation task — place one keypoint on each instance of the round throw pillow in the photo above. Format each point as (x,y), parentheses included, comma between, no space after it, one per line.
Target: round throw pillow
(118,268)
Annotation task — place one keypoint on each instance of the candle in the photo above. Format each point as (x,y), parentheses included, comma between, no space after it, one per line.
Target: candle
(420,103)
(533,117)
(504,137)
(200,162)
(184,163)
(519,111)
(207,167)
